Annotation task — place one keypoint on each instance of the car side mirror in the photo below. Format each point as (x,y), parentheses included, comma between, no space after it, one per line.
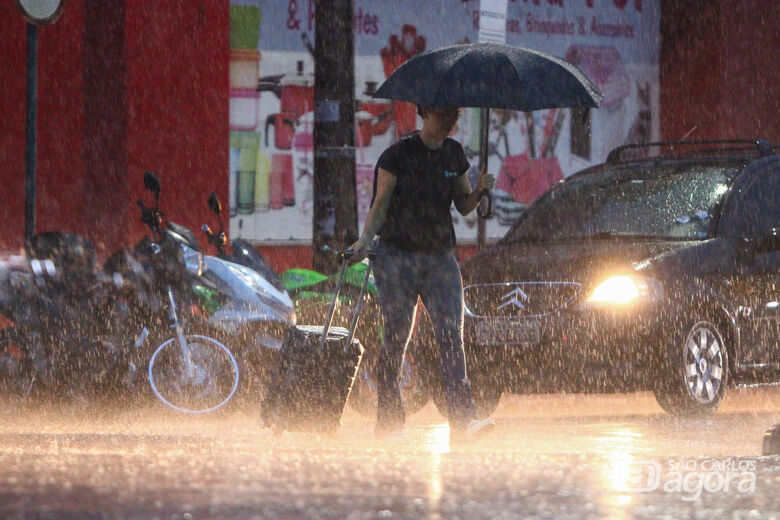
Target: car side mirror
(152,183)
(214,203)
(768,242)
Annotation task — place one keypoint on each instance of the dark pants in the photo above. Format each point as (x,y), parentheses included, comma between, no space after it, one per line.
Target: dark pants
(401,277)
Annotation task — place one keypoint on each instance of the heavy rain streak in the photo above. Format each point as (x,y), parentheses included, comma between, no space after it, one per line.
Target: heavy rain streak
(441,260)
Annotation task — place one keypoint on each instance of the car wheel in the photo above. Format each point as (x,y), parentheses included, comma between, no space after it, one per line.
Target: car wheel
(694,374)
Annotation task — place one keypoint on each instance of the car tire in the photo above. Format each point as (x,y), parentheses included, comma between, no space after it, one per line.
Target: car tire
(694,369)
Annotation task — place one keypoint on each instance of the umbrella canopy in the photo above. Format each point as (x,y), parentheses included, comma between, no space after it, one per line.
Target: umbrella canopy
(490,75)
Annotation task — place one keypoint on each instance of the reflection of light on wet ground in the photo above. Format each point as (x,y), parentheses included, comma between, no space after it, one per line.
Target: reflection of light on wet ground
(619,447)
(437,443)
(437,439)
(549,457)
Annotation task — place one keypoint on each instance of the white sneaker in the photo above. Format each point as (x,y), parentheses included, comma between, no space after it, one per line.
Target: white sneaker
(475,429)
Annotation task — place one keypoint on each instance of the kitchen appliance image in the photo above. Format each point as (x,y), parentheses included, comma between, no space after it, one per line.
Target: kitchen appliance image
(380,110)
(295,91)
(283,124)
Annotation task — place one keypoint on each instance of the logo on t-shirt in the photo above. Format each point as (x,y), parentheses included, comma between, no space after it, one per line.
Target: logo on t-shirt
(449,175)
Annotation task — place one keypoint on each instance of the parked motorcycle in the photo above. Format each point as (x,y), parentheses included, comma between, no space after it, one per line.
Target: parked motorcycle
(191,369)
(64,340)
(254,306)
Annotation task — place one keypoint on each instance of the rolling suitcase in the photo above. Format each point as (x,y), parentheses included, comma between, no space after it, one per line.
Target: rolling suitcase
(316,369)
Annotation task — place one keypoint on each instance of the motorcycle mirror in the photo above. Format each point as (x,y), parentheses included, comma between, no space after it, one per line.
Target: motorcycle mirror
(214,203)
(152,183)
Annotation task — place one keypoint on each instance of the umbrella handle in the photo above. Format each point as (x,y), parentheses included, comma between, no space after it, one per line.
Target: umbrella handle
(489,211)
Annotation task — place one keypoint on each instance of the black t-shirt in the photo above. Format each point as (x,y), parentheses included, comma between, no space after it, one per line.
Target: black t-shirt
(418,218)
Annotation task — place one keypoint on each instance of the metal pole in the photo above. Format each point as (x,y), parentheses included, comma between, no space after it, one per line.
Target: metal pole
(30,134)
(484,124)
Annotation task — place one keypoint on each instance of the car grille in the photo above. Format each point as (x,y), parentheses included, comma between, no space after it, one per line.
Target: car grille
(518,299)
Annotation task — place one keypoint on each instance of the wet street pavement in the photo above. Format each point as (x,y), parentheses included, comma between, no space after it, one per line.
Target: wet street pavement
(555,456)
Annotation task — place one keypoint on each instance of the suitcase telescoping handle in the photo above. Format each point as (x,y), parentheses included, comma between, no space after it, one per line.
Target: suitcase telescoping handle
(361,297)
(345,257)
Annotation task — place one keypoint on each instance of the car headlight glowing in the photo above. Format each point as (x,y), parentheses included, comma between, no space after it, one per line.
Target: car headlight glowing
(618,289)
(624,289)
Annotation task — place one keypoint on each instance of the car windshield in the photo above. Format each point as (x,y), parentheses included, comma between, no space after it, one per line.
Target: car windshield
(675,202)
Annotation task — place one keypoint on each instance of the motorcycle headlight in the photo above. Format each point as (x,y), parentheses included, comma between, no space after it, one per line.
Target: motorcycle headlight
(259,284)
(625,289)
(193,260)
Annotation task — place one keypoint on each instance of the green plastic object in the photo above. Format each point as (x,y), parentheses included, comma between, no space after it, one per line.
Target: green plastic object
(210,298)
(247,144)
(245,26)
(297,278)
(354,276)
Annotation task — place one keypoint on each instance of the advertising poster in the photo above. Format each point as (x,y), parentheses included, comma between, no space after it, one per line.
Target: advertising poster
(615,42)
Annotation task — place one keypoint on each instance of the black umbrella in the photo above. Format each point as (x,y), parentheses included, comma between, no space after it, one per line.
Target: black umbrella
(490,75)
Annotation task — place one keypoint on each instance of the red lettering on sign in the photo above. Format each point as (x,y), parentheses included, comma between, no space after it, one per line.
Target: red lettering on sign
(293,23)
(620,4)
(366,23)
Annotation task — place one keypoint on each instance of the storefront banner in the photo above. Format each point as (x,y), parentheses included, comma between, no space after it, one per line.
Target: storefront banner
(492,21)
(615,42)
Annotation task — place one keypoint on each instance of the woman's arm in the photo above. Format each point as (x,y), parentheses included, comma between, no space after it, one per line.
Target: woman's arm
(466,199)
(385,184)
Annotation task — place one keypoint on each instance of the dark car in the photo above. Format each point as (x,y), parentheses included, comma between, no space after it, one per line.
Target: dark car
(657,273)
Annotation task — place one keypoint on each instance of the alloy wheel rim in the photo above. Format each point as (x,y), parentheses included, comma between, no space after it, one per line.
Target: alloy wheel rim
(703,364)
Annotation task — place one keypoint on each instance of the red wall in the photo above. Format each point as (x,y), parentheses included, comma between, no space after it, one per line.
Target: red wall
(749,82)
(12,77)
(124,86)
(718,70)
(177,104)
(60,168)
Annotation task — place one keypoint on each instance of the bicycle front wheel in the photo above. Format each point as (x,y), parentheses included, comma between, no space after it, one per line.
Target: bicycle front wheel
(204,383)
